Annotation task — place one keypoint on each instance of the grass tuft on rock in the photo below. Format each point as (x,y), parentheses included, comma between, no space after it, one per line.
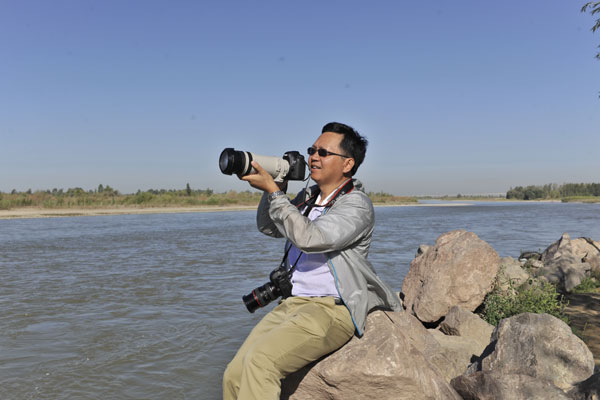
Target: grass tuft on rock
(542,298)
(587,285)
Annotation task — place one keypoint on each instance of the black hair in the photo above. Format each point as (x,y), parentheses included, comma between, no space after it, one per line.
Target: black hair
(353,144)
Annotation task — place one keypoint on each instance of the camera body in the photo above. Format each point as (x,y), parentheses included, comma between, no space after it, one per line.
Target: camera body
(291,167)
(279,284)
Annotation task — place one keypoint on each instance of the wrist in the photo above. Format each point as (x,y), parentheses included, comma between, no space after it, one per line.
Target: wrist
(273,188)
(273,195)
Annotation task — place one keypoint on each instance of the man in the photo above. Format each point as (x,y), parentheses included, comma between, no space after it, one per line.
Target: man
(334,286)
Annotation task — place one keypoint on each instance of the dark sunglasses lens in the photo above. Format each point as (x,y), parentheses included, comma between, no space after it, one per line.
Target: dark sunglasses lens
(321,152)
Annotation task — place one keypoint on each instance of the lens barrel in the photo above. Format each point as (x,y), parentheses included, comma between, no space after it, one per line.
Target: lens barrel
(261,296)
(235,162)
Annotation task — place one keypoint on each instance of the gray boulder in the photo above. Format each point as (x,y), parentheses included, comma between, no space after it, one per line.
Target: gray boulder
(500,386)
(460,322)
(540,346)
(458,353)
(579,248)
(458,270)
(388,362)
(568,261)
(510,274)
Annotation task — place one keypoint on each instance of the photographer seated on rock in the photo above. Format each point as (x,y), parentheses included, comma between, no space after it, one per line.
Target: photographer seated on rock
(328,230)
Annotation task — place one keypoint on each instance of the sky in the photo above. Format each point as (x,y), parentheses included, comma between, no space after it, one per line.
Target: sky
(470,97)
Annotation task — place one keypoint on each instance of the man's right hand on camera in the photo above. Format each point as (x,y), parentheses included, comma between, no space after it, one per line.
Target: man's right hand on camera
(262,180)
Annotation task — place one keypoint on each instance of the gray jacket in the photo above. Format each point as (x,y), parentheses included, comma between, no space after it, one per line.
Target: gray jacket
(343,232)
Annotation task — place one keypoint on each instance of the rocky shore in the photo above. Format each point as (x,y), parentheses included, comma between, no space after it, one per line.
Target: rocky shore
(440,348)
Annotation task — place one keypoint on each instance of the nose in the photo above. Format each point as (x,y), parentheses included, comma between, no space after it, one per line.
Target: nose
(313,158)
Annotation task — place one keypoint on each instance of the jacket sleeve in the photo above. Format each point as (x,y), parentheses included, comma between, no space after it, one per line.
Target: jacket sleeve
(263,220)
(340,226)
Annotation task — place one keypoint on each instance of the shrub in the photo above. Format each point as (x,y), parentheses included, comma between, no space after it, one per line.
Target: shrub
(499,304)
(587,285)
(143,197)
(212,201)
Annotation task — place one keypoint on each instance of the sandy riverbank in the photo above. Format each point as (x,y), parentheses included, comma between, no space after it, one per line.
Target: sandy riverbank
(36,212)
(33,212)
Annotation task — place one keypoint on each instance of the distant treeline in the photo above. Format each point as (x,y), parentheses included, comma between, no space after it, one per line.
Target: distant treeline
(554,191)
(386,198)
(106,196)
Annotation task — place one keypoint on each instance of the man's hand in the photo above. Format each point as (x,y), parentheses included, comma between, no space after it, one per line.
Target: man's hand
(261,180)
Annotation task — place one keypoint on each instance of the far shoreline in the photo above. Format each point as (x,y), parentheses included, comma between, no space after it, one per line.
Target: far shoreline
(38,212)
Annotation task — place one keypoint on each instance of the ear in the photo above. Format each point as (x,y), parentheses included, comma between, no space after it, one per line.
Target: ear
(348,165)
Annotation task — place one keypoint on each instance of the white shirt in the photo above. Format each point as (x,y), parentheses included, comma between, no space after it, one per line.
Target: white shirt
(312,276)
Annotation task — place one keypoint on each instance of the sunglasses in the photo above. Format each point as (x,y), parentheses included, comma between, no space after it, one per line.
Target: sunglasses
(323,152)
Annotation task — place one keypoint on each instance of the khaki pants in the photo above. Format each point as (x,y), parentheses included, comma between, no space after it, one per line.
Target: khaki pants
(296,332)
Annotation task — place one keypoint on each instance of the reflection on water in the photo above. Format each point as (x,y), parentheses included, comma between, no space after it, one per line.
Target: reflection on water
(149,306)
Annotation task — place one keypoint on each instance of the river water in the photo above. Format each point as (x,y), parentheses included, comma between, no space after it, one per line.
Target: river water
(149,306)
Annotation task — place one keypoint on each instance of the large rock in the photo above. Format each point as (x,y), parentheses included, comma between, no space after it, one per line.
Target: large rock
(499,386)
(540,346)
(463,323)
(462,337)
(510,274)
(458,353)
(580,248)
(388,362)
(568,261)
(458,270)
(448,361)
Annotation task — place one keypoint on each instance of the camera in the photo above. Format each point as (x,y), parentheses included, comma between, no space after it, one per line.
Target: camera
(279,285)
(291,166)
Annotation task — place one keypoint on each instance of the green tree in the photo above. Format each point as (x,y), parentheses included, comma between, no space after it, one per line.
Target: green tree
(100,188)
(593,7)
(188,189)
(75,192)
(110,191)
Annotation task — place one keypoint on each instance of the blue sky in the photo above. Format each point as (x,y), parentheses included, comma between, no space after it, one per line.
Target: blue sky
(454,97)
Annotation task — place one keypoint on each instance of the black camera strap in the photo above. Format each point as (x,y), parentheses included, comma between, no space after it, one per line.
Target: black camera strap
(347,187)
(282,265)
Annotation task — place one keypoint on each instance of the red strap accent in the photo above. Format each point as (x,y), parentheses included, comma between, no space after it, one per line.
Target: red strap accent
(348,185)
(337,193)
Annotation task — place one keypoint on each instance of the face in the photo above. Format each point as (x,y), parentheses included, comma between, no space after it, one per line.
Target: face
(331,169)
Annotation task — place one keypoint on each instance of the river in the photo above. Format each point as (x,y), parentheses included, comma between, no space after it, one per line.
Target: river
(149,306)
